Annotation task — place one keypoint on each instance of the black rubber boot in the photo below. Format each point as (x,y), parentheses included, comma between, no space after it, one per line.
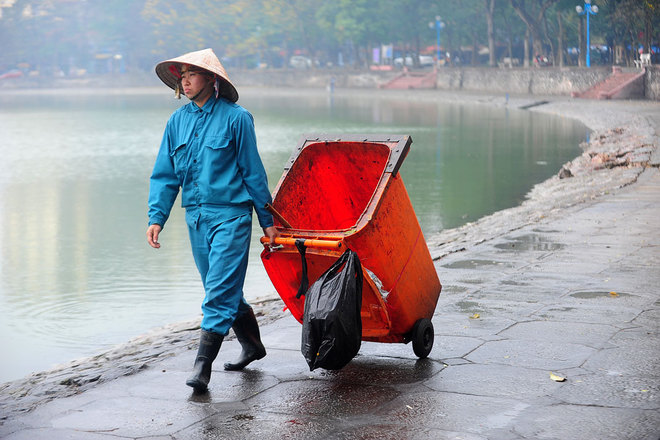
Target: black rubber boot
(209,345)
(247,333)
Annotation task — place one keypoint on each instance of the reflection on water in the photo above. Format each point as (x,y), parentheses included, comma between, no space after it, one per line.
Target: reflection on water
(76,274)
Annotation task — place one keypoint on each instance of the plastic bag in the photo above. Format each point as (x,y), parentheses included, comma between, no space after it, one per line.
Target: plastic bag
(332,325)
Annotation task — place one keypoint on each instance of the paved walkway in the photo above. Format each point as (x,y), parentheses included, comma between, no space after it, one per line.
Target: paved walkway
(575,295)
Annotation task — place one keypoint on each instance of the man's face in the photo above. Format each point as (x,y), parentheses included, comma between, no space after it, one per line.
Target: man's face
(193,82)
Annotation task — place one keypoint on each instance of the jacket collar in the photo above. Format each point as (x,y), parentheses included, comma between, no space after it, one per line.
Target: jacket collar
(206,108)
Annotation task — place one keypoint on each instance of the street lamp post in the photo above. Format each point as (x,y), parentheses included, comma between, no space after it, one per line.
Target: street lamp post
(587,10)
(438,24)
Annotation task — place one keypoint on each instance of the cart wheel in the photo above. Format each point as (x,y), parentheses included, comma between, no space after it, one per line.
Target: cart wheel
(422,338)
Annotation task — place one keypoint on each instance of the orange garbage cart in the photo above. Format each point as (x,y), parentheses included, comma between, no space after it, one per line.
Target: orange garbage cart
(345,191)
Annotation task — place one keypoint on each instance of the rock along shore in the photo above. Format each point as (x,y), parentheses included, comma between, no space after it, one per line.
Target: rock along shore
(622,145)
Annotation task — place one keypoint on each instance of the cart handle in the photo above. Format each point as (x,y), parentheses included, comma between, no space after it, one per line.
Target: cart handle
(321,244)
(278,216)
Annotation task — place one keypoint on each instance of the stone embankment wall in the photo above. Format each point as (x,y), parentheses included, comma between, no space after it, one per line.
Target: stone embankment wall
(544,81)
(535,81)
(653,83)
(521,81)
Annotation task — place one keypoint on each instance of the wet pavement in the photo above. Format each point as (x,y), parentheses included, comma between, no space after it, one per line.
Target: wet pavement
(576,296)
(572,295)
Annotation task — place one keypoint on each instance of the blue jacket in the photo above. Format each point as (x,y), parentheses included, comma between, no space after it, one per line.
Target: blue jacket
(211,154)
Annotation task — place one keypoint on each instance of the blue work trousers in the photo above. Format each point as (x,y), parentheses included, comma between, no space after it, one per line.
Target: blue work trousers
(221,252)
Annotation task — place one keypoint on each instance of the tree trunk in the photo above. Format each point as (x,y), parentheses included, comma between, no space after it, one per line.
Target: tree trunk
(535,24)
(526,50)
(581,43)
(449,46)
(537,44)
(509,42)
(648,28)
(560,40)
(490,10)
(553,49)
(632,54)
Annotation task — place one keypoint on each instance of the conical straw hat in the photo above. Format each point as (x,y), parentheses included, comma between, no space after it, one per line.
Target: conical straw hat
(169,71)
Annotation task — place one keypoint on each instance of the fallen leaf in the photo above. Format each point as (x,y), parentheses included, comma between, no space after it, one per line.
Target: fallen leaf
(556,378)
(614,294)
(475,316)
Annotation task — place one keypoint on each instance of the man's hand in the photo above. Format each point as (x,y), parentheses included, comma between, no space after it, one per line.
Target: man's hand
(152,235)
(271,232)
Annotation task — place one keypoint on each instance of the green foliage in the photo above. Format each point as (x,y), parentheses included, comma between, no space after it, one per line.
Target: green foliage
(65,35)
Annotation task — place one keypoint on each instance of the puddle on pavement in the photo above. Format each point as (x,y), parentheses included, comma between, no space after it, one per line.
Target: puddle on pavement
(551,313)
(469,307)
(472,264)
(529,242)
(514,283)
(477,281)
(506,417)
(453,289)
(598,294)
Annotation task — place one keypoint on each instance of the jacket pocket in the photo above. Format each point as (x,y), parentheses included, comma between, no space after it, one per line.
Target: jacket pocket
(178,149)
(178,156)
(217,142)
(218,154)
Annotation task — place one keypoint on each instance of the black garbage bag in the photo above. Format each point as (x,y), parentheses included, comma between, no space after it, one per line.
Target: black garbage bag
(332,326)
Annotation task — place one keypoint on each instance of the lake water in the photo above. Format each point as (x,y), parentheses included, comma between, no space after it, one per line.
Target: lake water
(76,273)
